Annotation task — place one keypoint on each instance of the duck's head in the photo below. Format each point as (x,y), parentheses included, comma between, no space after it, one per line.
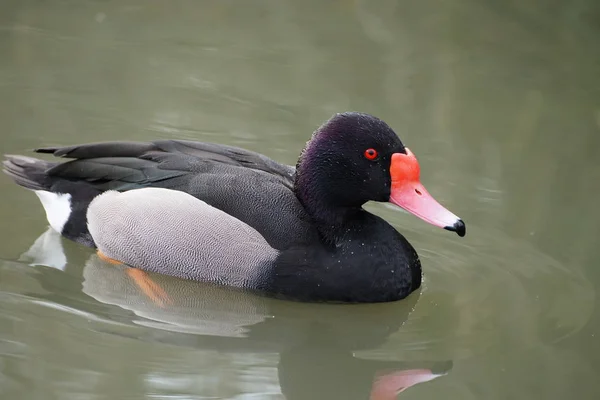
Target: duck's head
(354,158)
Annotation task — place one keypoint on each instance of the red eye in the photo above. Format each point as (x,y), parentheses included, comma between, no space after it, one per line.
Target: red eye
(370,154)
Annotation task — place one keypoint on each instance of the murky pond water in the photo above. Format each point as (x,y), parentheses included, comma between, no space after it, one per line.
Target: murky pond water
(499,100)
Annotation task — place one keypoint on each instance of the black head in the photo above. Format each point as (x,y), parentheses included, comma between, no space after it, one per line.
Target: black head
(347,161)
(354,158)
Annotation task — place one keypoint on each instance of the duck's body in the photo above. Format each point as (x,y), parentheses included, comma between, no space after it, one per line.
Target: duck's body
(231,216)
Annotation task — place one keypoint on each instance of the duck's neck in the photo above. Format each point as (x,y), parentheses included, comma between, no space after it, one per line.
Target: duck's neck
(330,219)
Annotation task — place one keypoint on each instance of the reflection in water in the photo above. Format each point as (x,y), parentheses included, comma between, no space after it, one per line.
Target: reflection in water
(47,250)
(325,351)
(315,342)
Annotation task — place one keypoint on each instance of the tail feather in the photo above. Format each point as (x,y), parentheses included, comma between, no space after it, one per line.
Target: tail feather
(28,172)
(64,201)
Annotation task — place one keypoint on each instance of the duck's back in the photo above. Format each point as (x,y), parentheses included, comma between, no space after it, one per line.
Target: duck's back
(246,185)
(255,197)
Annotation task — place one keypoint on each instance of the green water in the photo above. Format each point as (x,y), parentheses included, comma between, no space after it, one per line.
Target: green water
(500,101)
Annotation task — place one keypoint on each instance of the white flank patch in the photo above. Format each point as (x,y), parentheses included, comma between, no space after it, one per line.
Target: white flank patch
(57,206)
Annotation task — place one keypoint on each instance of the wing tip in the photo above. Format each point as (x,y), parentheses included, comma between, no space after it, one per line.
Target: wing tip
(46,150)
(27,172)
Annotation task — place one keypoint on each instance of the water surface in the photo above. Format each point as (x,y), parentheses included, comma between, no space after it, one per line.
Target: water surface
(500,101)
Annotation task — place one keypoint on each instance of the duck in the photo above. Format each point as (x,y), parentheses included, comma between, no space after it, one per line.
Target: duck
(232,217)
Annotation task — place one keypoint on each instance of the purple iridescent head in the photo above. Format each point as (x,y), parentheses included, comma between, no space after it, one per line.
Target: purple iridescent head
(354,158)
